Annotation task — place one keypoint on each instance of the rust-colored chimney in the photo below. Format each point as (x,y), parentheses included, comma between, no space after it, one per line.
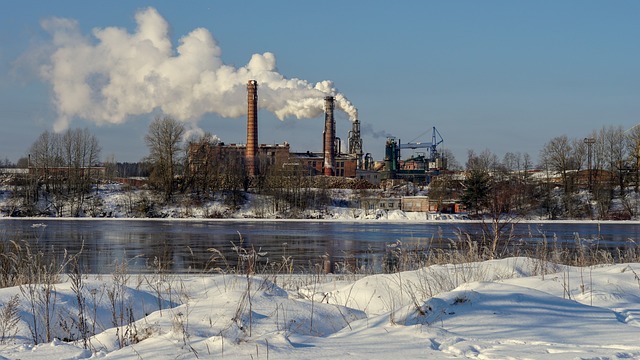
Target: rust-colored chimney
(329,136)
(252,127)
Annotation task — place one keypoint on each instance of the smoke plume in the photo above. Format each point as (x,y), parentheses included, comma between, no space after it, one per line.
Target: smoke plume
(367,129)
(114,74)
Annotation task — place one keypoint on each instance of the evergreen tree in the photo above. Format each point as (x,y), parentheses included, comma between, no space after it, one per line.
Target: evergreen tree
(476,190)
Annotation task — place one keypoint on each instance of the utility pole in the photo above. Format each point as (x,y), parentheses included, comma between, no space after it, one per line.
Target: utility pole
(589,142)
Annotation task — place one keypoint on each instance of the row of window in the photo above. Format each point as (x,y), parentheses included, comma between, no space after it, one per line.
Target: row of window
(382,205)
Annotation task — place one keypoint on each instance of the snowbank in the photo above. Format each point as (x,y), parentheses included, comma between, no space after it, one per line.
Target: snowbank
(511,308)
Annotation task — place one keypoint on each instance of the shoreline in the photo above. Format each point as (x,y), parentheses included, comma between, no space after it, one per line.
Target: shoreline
(376,221)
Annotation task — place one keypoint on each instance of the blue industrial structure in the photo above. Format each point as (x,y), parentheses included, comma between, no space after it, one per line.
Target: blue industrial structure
(418,169)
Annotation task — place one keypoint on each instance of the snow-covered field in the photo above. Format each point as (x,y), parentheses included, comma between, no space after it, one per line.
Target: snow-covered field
(500,309)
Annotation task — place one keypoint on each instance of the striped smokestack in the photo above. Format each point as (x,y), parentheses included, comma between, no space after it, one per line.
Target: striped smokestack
(252,127)
(329,135)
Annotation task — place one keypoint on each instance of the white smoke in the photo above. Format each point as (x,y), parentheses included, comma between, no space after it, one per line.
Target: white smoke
(115,74)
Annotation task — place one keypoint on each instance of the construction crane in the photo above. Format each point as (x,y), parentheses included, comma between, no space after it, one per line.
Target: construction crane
(436,139)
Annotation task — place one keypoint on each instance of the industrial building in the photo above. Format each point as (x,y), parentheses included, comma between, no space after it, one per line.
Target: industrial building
(254,157)
(419,168)
(411,204)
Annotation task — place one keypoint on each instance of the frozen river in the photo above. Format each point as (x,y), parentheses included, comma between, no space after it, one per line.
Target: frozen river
(186,245)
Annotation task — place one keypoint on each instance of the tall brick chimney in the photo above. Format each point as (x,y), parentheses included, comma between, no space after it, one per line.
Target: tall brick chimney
(252,127)
(329,136)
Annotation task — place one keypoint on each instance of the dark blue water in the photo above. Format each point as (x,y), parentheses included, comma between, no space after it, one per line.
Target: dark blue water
(183,246)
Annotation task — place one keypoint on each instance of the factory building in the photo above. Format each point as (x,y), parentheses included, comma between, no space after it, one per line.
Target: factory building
(312,163)
(418,168)
(253,157)
(264,155)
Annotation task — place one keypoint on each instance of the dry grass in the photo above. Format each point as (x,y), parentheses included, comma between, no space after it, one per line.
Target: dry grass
(36,270)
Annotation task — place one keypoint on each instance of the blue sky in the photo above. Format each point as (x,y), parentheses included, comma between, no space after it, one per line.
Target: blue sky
(500,75)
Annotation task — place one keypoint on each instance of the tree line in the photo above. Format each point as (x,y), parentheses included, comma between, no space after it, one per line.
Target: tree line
(588,177)
(575,177)
(65,167)
(62,168)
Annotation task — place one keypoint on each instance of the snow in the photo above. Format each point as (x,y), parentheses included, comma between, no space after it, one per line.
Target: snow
(116,201)
(512,308)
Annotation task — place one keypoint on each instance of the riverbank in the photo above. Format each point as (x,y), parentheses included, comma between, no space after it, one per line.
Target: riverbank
(112,201)
(36,219)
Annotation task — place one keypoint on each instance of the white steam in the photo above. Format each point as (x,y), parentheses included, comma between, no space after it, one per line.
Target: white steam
(123,74)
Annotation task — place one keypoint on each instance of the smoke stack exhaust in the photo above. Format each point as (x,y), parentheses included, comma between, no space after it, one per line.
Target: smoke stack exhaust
(252,127)
(329,135)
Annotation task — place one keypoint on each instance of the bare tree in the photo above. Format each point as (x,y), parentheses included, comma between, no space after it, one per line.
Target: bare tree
(202,165)
(578,154)
(566,156)
(518,165)
(452,162)
(610,155)
(632,142)
(233,178)
(45,160)
(486,161)
(43,155)
(81,152)
(557,155)
(617,154)
(598,151)
(600,182)
(164,142)
(443,187)
(62,163)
